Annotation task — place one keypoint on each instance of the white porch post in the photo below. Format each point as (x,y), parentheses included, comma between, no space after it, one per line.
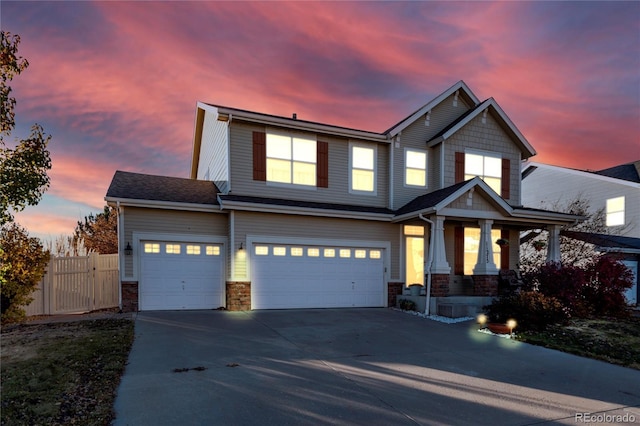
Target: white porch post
(553,245)
(485,264)
(440,264)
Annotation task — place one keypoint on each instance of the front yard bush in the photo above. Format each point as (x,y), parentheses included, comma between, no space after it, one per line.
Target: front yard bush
(596,289)
(532,310)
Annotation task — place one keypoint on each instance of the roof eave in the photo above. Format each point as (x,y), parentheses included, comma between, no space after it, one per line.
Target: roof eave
(270,120)
(305,211)
(156,204)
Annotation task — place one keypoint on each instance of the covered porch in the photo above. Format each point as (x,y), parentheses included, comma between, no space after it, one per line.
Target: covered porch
(456,242)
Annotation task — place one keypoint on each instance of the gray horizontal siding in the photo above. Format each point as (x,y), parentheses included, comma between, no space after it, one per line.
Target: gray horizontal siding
(291,226)
(213,164)
(415,136)
(169,222)
(338,190)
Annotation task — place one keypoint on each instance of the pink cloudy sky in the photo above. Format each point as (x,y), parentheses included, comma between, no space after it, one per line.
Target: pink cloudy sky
(116,83)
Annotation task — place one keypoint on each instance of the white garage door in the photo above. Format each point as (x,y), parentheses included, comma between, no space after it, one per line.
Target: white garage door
(295,276)
(179,275)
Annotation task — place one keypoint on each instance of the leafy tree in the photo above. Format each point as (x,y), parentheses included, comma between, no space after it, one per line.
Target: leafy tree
(23,180)
(23,263)
(23,169)
(99,232)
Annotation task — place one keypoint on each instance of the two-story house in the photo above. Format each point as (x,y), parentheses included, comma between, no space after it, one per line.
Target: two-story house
(286,213)
(614,190)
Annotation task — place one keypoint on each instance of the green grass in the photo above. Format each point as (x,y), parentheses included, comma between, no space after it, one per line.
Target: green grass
(616,341)
(65,373)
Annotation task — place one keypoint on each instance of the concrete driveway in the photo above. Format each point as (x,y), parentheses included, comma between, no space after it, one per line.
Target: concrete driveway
(356,366)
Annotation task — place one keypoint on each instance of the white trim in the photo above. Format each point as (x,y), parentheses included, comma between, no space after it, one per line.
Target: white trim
(581,173)
(137,237)
(426,167)
(375,168)
(271,120)
(166,205)
(303,211)
(268,239)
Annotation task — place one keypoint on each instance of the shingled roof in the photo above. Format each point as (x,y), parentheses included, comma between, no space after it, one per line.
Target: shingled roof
(629,171)
(137,186)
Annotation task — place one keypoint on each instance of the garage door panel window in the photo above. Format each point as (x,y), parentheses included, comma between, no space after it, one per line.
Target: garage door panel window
(262,250)
(151,248)
(193,250)
(361,254)
(375,254)
(297,251)
(313,252)
(279,251)
(345,253)
(329,252)
(213,251)
(172,249)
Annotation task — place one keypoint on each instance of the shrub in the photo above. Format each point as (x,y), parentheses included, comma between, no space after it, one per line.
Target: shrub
(22,265)
(593,289)
(608,280)
(531,309)
(407,305)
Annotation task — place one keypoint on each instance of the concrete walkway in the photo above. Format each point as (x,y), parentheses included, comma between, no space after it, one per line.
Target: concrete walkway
(356,367)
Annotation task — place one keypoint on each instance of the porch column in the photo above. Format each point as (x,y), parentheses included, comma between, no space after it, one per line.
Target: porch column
(440,264)
(485,264)
(553,244)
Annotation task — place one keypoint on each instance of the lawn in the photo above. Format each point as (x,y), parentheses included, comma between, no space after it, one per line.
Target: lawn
(63,373)
(616,341)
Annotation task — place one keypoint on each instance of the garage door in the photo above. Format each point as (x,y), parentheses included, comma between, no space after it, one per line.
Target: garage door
(179,275)
(295,276)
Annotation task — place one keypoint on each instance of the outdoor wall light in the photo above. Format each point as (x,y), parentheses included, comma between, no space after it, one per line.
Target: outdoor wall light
(128,251)
(241,247)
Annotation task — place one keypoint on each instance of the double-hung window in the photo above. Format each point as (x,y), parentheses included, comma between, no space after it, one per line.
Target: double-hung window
(415,173)
(363,169)
(291,159)
(486,166)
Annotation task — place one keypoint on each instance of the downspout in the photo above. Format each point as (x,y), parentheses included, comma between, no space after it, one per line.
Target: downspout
(232,243)
(429,262)
(120,259)
(391,168)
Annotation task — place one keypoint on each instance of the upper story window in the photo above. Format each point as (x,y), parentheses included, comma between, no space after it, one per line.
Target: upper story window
(363,169)
(615,211)
(486,166)
(415,173)
(291,159)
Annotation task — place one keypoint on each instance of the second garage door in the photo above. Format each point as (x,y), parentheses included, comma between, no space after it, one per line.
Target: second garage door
(179,275)
(295,276)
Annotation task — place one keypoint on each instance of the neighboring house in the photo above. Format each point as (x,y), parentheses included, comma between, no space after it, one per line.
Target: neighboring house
(285,213)
(615,189)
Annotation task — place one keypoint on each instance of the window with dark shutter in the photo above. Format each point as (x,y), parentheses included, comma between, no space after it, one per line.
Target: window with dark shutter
(259,156)
(323,165)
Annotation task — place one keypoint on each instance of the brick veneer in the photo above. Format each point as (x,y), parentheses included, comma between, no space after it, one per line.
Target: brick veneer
(238,296)
(439,285)
(393,291)
(129,296)
(485,285)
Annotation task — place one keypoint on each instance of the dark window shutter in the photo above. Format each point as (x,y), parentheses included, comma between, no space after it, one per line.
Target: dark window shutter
(259,156)
(322,166)
(458,248)
(459,167)
(504,250)
(506,178)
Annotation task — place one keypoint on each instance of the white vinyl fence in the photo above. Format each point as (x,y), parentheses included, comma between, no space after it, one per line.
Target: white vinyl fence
(77,284)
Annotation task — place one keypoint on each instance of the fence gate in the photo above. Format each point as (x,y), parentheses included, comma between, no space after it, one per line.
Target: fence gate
(77,284)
